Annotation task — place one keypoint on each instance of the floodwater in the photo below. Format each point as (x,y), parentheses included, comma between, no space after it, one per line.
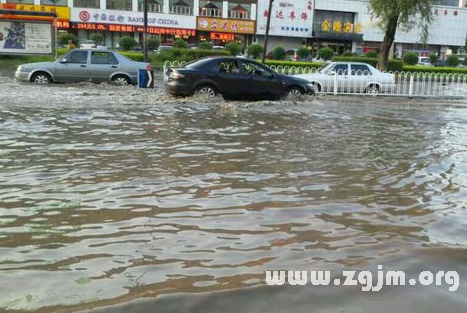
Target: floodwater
(125,200)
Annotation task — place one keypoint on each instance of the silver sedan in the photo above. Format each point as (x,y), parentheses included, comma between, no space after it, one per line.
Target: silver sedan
(83,65)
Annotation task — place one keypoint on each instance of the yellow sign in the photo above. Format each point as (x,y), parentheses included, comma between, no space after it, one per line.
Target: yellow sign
(325,25)
(339,27)
(225,25)
(63,13)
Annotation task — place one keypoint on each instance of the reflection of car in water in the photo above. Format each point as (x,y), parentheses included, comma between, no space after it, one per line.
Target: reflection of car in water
(83,65)
(235,78)
(355,77)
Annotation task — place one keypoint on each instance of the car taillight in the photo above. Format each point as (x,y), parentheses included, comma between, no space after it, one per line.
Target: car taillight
(176,75)
(148,67)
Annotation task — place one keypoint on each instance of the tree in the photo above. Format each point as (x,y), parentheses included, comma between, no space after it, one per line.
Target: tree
(153,43)
(97,38)
(303,53)
(254,50)
(433,59)
(325,53)
(64,37)
(127,42)
(279,53)
(180,43)
(410,58)
(402,14)
(205,45)
(452,61)
(234,48)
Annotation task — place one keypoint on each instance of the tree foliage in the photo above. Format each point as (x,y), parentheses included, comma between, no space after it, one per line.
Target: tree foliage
(254,50)
(452,61)
(371,54)
(325,53)
(64,37)
(234,48)
(303,53)
(153,43)
(279,53)
(180,44)
(433,59)
(400,14)
(127,42)
(205,45)
(410,58)
(97,38)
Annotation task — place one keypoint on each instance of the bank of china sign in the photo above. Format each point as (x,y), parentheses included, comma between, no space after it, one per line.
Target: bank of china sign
(291,18)
(79,15)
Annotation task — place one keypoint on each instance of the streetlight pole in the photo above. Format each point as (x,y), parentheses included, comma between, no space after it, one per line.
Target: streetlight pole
(145,31)
(266,37)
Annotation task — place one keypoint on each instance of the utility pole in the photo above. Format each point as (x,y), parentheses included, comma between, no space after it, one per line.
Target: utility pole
(266,37)
(145,31)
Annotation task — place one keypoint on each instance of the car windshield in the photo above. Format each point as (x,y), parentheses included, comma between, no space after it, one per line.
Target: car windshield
(323,68)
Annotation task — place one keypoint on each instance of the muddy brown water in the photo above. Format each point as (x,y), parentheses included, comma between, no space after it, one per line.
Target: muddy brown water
(126,200)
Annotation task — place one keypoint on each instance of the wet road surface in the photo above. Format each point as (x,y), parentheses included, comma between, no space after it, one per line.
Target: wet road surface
(125,200)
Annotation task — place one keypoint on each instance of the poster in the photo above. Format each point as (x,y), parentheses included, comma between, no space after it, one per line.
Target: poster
(25,38)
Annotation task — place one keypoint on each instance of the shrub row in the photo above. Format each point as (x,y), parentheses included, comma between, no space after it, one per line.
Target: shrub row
(432,69)
(393,65)
(185,55)
(293,63)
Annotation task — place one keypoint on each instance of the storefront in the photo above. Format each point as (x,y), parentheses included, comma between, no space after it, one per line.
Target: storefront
(336,30)
(220,31)
(114,24)
(63,13)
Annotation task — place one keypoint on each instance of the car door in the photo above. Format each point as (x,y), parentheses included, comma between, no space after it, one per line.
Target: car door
(103,64)
(262,82)
(73,67)
(230,80)
(360,76)
(342,71)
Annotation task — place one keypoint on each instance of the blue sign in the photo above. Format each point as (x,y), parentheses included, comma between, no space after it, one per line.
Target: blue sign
(145,78)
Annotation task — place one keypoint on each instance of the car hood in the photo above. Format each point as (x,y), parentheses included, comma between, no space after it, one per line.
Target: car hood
(39,65)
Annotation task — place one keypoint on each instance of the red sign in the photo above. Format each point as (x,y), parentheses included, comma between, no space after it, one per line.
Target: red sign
(133,29)
(223,36)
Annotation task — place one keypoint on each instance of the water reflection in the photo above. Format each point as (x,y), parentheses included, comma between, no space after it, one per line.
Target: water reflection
(105,205)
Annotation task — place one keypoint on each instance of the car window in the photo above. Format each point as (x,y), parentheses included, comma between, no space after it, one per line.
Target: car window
(79,57)
(103,58)
(359,70)
(254,69)
(228,67)
(341,69)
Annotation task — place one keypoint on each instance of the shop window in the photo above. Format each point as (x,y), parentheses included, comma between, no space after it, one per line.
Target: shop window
(119,5)
(239,11)
(153,6)
(61,3)
(86,4)
(181,7)
(210,8)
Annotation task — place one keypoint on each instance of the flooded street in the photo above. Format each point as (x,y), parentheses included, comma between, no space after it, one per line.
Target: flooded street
(126,200)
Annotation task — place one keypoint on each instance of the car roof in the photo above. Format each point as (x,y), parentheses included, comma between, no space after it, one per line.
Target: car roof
(93,50)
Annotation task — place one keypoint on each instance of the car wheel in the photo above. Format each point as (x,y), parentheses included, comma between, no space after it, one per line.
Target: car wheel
(372,90)
(206,91)
(294,93)
(121,80)
(41,78)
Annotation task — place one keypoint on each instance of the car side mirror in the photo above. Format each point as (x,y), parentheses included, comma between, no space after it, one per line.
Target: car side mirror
(332,72)
(62,61)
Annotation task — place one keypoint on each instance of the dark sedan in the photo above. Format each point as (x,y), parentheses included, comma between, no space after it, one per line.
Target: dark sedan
(233,78)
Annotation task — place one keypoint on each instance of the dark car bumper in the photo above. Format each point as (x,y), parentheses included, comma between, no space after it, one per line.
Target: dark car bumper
(310,90)
(177,88)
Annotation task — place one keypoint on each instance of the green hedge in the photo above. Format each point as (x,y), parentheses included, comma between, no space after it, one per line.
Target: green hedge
(135,56)
(293,63)
(186,55)
(432,69)
(393,65)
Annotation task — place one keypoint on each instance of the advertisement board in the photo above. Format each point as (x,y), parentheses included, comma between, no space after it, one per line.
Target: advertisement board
(80,15)
(226,25)
(20,37)
(63,13)
(289,18)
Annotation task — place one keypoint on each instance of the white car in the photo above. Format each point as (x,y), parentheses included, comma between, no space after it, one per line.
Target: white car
(351,77)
